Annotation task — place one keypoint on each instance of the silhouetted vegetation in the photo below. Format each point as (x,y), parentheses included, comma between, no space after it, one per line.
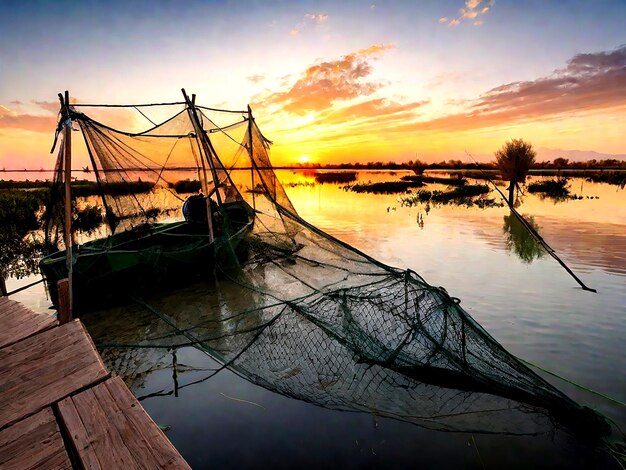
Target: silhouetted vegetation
(461,195)
(611,177)
(10,184)
(335,177)
(514,160)
(453,181)
(88,219)
(116,188)
(556,189)
(186,186)
(419,167)
(385,187)
(19,250)
(83,188)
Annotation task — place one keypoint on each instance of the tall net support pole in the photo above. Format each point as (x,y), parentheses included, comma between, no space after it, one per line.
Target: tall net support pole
(67,157)
(250,153)
(191,111)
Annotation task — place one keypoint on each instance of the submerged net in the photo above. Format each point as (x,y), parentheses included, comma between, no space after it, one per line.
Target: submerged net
(301,312)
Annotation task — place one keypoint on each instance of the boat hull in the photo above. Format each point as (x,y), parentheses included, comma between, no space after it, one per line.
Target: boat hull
(153,257)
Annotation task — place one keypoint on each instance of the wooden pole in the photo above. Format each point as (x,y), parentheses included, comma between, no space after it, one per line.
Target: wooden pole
(251,153)
(191,110)
(67,148)
(65,313)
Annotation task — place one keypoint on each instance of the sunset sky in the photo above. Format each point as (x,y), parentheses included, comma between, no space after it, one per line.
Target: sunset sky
(329,81)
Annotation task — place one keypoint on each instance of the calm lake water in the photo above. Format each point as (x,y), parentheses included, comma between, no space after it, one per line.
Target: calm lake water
(520,295)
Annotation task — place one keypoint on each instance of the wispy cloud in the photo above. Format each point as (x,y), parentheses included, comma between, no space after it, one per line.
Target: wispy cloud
(309,20)
(50,106)
(11,119)
(255,78)
(589,82)
(471,11)
(316,18)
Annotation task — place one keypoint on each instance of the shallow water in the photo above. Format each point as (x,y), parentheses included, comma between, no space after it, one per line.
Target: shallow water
(523,298)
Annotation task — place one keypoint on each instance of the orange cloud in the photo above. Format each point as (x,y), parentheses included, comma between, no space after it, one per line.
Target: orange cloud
(10,119)
(325,83)
(471,10)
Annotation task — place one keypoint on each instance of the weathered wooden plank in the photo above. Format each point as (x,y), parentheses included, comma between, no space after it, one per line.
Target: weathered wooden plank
(17,322)
(78,434)
(110,429)
(164,452)
(138,448)
(108,444)
(33,443)
(21,366)
(45,368)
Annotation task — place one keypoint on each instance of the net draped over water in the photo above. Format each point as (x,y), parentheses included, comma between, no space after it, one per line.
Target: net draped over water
(288,306)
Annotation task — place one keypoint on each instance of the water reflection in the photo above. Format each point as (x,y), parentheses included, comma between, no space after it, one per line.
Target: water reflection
(519,240)
(237,329)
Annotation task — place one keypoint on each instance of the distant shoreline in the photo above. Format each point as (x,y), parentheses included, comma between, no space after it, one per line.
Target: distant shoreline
(610,165)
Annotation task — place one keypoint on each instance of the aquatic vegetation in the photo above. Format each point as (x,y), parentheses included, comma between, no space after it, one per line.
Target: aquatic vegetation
(385,187)
(335,176)
(554,189)
(461,195)
(88,219)
(10,184)
(611,177)
(186,186)
(114,188)
(20,250)
(457,180)
(300,184)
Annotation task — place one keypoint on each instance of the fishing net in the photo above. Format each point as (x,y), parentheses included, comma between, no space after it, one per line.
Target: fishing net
(287,306)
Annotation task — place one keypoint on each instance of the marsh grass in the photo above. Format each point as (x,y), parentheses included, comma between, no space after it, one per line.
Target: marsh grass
(555,189)
(335,177)
(467,195)
(385,187)
(456,180)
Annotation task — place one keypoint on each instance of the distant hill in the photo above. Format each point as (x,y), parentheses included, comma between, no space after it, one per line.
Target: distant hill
(575,155)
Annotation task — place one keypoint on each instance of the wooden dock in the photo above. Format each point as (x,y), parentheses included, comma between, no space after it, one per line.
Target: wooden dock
(60,407)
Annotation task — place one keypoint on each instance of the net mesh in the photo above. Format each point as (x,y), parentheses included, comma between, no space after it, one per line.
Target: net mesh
(301,313)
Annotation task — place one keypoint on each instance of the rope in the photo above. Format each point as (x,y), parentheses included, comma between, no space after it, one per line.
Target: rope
(571,382)
(144,115)
(20,289)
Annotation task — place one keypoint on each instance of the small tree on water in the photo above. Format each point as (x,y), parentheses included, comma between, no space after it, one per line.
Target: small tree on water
(514,160)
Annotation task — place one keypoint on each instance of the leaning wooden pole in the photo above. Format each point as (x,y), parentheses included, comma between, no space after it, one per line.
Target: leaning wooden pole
(251,154)
(67,233)
(191,110)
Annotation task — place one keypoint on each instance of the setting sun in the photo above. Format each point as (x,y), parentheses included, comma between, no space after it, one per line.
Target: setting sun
(305,158)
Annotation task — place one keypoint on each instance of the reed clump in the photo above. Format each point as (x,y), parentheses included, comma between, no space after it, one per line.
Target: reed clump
(384,187)
(556,189)
(186,186)
(335,176)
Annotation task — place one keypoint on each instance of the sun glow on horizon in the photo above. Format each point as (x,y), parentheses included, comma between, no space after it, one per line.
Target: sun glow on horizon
(304,158)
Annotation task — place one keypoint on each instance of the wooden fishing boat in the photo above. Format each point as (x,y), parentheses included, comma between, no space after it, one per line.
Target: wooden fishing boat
(147,257)
(139,251)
